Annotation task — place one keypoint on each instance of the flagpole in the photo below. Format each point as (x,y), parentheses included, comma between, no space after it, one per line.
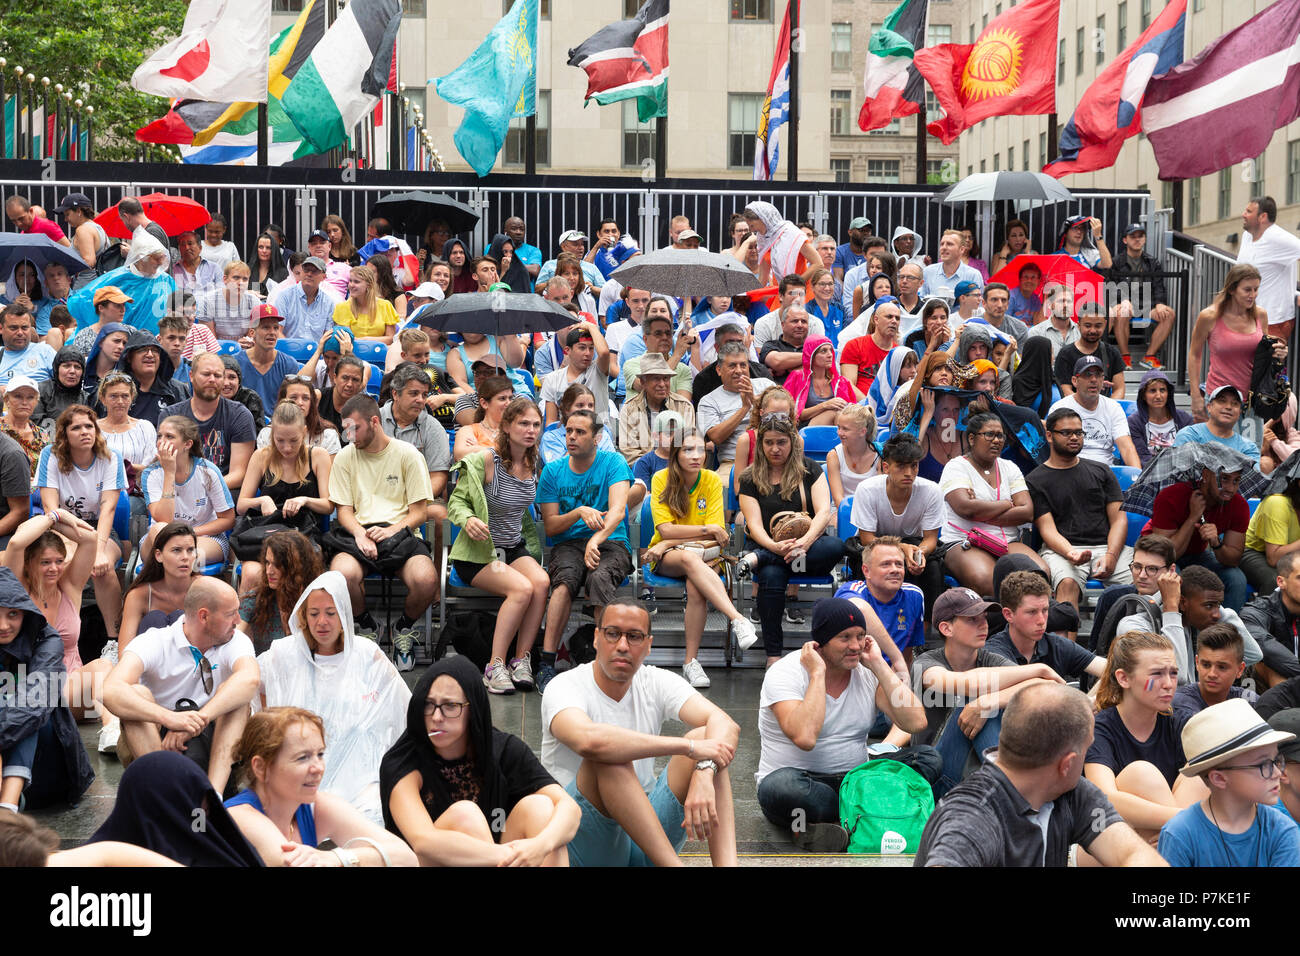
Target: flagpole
(1052,145)
(661,147)
(792,123)
(1177,216)
(921,177)
(530,144)
(261,134)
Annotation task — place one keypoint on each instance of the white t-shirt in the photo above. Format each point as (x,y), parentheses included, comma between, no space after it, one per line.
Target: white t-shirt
(873,512)
(1274,254)
(138,444)
(842,743)
(718,406)
(171,669)
(656,695)
(199,498)
(1101,426)
(610,293)
(219,255)
(1161,436)
(617,334)
(79,489)
(555,383)
(768,329)
(960,473)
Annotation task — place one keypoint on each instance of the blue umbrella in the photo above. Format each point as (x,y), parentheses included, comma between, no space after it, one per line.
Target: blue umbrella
(42,250)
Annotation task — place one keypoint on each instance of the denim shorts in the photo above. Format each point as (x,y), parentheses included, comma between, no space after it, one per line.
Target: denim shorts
(600,841)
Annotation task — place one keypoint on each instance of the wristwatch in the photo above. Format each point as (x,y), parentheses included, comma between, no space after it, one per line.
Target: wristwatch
(706,765)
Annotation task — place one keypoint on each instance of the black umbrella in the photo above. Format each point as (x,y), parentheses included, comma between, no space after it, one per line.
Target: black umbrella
(686,272)
(41,250)
(412,212)
(496,313)
(1282,476)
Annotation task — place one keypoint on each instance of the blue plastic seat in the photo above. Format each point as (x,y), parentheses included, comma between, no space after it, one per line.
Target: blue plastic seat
(376,377)
(300,350)
(844,523)
(1128,405)
(1253,503)
(1136,523)
(1125,475)
(227,347)
(376,353)
(818,440)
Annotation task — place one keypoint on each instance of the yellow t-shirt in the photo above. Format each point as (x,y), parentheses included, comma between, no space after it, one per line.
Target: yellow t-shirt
(1274,522)
(380,488)
(705,502)
(385,315)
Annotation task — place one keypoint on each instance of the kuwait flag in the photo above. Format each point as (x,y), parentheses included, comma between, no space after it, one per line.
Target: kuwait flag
(346,73)
(629,59)
(894,88)
(1223,106)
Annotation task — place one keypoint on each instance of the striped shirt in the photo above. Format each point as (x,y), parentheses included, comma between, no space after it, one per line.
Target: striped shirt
(508,498)
(229,321)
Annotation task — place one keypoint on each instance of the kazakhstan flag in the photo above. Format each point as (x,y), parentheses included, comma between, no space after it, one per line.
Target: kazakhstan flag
(496,83)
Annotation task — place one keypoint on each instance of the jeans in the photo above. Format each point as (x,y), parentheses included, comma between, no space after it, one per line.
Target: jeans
(1261,575)
(955,748)
(772,576)
(1234,579)
(17,760)
(789,793)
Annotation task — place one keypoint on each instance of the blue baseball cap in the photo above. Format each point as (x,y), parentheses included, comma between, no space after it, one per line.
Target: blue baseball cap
(965,288)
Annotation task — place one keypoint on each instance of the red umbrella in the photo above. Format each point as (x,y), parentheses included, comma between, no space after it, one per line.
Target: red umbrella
(1055,268)
(175,214)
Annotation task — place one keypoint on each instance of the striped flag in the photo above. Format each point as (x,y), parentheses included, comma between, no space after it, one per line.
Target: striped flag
(892,84)
(1222,106)
(629,59)
(344,76)
(220,54)
(776,108)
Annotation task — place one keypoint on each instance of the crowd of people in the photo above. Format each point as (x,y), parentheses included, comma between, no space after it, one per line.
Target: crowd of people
(980,429)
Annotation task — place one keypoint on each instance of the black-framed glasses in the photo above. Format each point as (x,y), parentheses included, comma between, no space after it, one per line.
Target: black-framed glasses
(1145,569)
(450,709)
(992,436)
(614,635)
(1278,764)
(1068,432)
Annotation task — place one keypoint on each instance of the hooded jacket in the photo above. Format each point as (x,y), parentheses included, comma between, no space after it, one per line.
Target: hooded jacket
(149,294)
(799,382)
(517,275)
(246,396)
(32,693)
(162,393)
(361,697)
(465,282)
(886,389)
(54,396)
(917,255)
(468,500)
(89,378)
(506,769)
(1137,419)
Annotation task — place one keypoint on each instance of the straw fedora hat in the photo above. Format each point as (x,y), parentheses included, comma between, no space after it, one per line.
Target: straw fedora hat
(1222,731)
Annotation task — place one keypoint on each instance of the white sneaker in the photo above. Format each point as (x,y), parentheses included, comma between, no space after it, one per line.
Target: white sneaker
(695,675)
(109,653)
(496,678)
(108,737)
(745,632)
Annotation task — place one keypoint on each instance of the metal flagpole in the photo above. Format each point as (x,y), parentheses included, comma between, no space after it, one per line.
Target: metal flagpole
(262,135)
(792,122)
(1052,144)
(661,147)
(921,176)
(4,127)
(31,109)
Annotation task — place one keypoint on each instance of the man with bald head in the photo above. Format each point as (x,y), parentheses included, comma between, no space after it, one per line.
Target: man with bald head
(186,686)
(1027,804)
(529,255)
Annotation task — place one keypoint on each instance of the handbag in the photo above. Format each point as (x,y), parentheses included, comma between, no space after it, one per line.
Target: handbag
(788,525)
(251,531)
(979,538)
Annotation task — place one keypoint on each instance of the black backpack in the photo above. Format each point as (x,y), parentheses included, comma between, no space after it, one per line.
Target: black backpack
(1122,608)
(1270,385)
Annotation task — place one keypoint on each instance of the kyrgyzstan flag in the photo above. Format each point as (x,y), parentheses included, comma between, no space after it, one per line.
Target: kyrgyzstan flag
(1010,70)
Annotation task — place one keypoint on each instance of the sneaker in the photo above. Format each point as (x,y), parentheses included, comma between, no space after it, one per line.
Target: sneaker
(545,674)
(695,675)
(1151,361)
(822,838)
(743,568)
(1128,360)
(745,633)
(404,648)
(793,616)
(521,673)
(754,615)
(109,653)
(496,678)
(109,734)
(368,632)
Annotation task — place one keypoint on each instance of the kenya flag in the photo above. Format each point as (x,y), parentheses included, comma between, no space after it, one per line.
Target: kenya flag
(629,59)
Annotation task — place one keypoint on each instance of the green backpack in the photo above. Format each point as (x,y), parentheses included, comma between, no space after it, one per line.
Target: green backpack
(884,805)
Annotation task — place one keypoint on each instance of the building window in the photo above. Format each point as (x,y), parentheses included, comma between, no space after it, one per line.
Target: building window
(882,170)
(1024,156)
(983,166)
(933,111)
(894,128)
(841,104)
(997,11)
(638,137)
(1293,171)
(1225,193)
(1078,51)
(970,170)
(286,6)
(984,25)
(1198,6)
(938,33)
(543,8)
(1042,150)
(841,170)
(1121,26)
(1011,157)
(1146,14)
(742,127)
(934,171)
(1060,63)
(1166,195)
(751,10)
(1193,201)
(517,134)
(997,162)
(972,33)
(1257,171)
(413,8)
(630,7)
(1099,39)
(841,47)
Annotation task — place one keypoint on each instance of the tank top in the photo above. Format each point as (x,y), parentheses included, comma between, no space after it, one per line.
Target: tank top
(281,491)
(68,623)
(508,498)
(465,359)
(849,478)
(1232,357)
(304,816)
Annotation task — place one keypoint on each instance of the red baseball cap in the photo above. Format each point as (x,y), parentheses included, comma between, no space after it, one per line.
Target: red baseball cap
(261,312)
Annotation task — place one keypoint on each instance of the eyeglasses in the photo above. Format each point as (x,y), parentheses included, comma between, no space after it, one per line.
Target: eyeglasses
(1268,769)
(303,379)
(204,667)
(773,417)
(1145,569)
(1068,432)
(450,709)
(992,436)
(614,635)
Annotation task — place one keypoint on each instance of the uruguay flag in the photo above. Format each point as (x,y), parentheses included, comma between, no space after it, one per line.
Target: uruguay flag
(1110,110)
(776,108)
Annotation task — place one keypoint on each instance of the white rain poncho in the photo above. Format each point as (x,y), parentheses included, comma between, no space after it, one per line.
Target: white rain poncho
(361,698)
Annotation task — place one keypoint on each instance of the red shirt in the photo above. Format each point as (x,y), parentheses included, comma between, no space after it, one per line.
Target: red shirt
(1172,506)
(867,356)
(46,228)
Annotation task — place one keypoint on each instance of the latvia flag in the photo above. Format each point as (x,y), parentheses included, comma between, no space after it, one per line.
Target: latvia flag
(629,59)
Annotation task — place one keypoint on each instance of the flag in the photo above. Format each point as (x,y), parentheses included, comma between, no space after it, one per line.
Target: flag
(221,54)
(1110,110)
(629,59)
(892,84)
(776,108)
(496,83)
(344,75)
(1222,106)
(1010,70)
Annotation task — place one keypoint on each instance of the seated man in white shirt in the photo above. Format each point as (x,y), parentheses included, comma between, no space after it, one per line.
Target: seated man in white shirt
(768,327)
(1105,426)
(187,686)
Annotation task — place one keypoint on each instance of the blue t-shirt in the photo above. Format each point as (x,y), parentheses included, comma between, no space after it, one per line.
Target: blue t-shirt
(832,319)
(1201,434)
(43,310)
(846,258)
(1192,839)
(903,617)
(647,466)
(36,362)
(559,485)
(304,816)
(1024,308)
(267,386)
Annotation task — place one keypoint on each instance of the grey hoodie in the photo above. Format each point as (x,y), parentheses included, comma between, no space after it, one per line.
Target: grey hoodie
(918,253)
